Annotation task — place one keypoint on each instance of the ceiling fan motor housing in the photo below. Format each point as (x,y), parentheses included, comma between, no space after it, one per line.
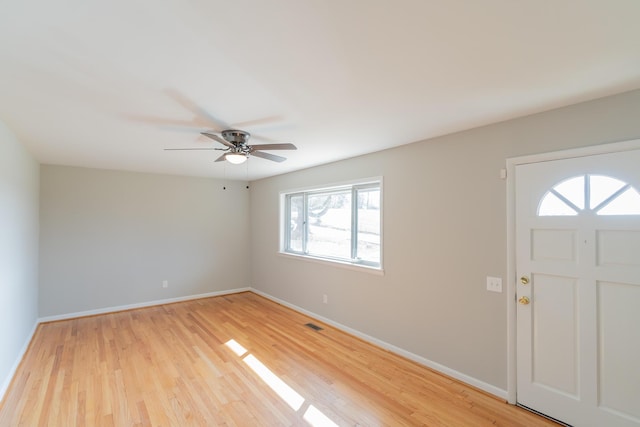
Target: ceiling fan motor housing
(236,136)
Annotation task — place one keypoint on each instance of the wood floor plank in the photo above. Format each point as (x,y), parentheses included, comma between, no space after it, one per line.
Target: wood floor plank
(171,365)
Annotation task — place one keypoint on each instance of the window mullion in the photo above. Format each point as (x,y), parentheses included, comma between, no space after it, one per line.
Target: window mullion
(305,222)
(354,223)
(587,193)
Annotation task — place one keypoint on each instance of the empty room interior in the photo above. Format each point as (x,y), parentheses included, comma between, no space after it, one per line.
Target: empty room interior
(322,213)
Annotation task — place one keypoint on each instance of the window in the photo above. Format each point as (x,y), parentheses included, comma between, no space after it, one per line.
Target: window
(340,223)
(601,194)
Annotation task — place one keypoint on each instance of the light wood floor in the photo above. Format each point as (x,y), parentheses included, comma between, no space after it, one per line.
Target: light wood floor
(171,365)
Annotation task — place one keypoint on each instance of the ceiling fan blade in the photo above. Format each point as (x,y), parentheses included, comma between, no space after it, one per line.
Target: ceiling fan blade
(161,121)
(218,138)
(199,112)
(268,156)
(274,147)
(221,158)
(259,137)
(258,122)
(187,149)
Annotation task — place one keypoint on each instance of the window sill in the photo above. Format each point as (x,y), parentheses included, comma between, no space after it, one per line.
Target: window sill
(334,263)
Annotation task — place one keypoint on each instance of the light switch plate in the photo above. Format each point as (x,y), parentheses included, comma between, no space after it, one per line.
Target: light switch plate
(494,284)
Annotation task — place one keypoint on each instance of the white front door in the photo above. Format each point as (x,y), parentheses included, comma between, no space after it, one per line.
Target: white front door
(578,288)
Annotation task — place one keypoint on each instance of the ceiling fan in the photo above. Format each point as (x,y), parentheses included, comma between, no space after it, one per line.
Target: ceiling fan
(237,148)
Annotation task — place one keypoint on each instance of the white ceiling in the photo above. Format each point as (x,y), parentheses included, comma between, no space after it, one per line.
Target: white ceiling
(111,83)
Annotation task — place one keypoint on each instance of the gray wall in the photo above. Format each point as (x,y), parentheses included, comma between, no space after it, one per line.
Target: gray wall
(18,251)
(444,232)
(111,238)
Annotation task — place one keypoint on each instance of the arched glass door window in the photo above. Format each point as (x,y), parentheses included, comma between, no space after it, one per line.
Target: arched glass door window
(600,194)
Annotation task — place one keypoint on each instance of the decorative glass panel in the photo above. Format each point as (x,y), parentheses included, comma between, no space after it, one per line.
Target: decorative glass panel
(552,206)
(602,187)
(599,194)
(627,203)
(573,190)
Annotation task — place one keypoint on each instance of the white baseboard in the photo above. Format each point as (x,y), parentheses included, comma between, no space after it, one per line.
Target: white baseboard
(7,381)
(138,305)
(491,389)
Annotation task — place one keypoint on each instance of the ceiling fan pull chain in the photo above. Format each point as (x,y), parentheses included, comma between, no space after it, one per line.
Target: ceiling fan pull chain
(224,185)
(247,175)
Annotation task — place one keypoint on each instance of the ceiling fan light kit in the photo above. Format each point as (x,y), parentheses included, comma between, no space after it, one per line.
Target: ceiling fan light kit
(236,158)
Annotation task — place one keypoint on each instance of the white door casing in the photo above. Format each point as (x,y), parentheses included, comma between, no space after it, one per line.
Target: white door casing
(578,338)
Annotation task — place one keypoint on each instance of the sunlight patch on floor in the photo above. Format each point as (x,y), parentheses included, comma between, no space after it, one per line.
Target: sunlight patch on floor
(236,348)
(316,418)
(285,392)
(312,415)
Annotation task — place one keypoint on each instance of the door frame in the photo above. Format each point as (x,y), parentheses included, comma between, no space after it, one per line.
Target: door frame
(511,164)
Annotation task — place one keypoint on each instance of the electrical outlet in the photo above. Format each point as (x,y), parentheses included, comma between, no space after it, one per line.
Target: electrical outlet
(165,283)
(325,299)
(494,284)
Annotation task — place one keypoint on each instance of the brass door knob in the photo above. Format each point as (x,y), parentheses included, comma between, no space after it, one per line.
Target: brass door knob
(524,280)
(524,300)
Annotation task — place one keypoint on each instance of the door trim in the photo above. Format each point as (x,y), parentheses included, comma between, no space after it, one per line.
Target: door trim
(511,164)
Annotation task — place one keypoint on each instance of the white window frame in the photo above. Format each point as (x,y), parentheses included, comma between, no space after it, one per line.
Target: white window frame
(354,187)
